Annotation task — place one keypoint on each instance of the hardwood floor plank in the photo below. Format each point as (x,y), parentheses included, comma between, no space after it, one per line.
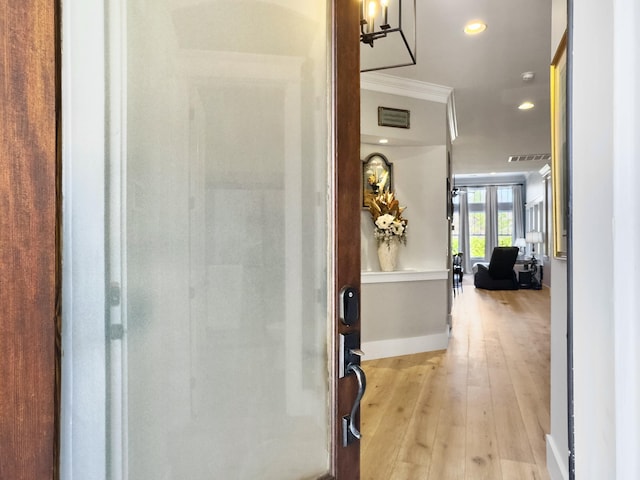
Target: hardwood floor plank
(530,399)
(513,441)
(382,445)
(478,410)
(417,444)
(382,379)
(519,471)
(409,471)
(482,454)
(449,450)
(478,373)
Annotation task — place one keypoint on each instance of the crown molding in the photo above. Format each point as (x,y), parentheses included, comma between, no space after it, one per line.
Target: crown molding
(380,82)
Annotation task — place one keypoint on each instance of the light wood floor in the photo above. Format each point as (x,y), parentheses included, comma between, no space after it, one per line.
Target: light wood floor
(479,410)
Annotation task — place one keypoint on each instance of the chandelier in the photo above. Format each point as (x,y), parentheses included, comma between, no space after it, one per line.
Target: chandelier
(395,22)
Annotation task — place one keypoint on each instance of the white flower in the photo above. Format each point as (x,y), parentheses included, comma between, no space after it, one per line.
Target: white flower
(386,214)
(384,221)
(397,227)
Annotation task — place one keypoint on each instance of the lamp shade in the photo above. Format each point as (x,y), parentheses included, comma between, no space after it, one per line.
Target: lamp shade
(534,237)
(520,243)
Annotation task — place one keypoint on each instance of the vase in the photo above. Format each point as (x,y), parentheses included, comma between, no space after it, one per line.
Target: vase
(388,254)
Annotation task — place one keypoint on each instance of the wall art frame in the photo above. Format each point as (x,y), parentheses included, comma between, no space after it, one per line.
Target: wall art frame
(559,156)
(377,177)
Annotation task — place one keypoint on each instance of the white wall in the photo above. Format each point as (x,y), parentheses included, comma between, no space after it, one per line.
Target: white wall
(406,317)
(420,185)
(535,187)
(605,303)
(606,217)
(592,189)
(428,119)
(557,440)
(558,23)
(626,230)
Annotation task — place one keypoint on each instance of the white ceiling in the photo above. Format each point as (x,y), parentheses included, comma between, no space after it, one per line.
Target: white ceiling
(485,73)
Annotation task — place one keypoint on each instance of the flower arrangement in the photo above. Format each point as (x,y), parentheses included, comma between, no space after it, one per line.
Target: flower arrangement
(378,182)
(386,214)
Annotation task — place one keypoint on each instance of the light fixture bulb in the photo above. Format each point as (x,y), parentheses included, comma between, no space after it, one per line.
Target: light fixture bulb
(475,27)
(526,106)
(372,9)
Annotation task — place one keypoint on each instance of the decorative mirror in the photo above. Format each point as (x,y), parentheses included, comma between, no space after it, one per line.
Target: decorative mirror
(377,177)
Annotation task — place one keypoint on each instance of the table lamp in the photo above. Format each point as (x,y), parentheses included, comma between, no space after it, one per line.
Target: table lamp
(520,243)
(533,237)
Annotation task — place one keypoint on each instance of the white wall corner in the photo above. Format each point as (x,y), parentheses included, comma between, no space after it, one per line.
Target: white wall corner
(626,226)
(452,117)
(380,82)
(556,465)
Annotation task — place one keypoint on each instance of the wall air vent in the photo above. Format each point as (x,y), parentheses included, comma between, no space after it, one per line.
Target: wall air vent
(546,157)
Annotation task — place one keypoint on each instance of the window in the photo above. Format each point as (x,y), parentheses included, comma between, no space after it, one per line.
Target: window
(502,222)
(505,216)
(477,221)
(455,226)
(505,228)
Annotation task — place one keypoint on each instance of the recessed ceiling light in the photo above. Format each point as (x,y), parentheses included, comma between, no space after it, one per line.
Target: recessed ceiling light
(526,106)
(383,140)
(528,76)
(475,27)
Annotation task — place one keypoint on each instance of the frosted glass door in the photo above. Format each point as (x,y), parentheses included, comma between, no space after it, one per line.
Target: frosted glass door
(217,181)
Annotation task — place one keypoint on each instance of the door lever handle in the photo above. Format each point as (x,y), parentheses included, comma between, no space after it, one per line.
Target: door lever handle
(350,433)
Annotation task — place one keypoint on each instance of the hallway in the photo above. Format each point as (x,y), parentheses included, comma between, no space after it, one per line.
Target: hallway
(479,410)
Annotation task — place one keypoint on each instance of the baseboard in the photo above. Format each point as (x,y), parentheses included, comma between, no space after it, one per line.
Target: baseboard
(405,346)
(555,461)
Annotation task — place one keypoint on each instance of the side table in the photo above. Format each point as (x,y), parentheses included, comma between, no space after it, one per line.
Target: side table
(530,275)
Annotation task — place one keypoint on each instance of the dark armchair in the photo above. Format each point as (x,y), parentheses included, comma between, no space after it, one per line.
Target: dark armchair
(499,275)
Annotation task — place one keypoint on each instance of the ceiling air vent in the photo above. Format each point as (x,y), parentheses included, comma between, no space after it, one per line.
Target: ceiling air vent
(546,157)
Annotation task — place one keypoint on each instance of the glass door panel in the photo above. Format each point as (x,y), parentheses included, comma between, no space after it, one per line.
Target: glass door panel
(217,239)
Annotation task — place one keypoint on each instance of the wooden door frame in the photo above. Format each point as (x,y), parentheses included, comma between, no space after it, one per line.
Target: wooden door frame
(30,237)
(346,151)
